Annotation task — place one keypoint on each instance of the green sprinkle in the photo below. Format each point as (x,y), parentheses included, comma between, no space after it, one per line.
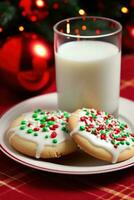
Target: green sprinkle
(35,134)
(107,122)
(94,116)
(106,113)
(34,115)
(93,132)
(118,143)
(103,132)
(29,131)
(23,122)
(50,123)
(22,127)
(42,113)
(66,114)
(37,119)
(55,141)
(44,129)
(42,121)
(87,112)
(64,129)
(122,126)
(63,123)
(38,110)
(82,128)
(45,118)
(112,141)
(133,139)
(46,136)
(122,142)
(115,136)
(127,143)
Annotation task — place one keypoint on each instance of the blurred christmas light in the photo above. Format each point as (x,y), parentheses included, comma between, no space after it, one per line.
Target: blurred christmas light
(40,50)
(40,3)
(68,28)
(124,10)
(1,29)
(84,28)
(132,32)
(33,18)
(21,28)
(56,6)
(81,12)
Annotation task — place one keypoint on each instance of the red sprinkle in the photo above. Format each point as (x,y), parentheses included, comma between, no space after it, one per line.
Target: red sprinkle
(110,125)
(103,137)
(126,126)
(55,125)
(88,129)
(90,126)
(120,139)
(90,119)
(111,135)
(98,113)
(53,135)
(115,146)
(42,125)
(116,131)
(83,118)
(29,124)
(36,129)
(132,134)
(60,117)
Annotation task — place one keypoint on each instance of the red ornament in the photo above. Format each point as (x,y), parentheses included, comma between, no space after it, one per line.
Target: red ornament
(26,67)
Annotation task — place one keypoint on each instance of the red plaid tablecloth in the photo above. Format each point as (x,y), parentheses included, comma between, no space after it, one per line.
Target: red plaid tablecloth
(18,182)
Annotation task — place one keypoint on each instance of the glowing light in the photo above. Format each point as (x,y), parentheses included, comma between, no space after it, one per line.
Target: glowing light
(33,18)
(1,29)
(132,32)
(40,3)
(40,49)
(84,28)
(81,12)
(124,10)
(68,28)
(21,28)
(56,6)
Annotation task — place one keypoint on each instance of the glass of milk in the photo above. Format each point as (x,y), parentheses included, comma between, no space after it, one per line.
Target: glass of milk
(88,57)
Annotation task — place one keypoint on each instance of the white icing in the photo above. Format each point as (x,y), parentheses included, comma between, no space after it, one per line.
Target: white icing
(95,140)
(40,140)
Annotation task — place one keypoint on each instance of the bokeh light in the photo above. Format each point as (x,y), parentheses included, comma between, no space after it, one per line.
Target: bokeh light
(81,12)
(124,10)
(40,50)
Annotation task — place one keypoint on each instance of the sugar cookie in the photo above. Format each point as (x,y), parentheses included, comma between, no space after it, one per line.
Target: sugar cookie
(101,135)
(42,134)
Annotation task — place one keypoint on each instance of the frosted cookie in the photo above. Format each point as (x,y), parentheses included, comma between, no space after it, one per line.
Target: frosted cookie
(42,134)
(101,135)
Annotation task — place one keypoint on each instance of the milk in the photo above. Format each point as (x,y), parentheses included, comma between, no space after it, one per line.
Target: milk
(88,75)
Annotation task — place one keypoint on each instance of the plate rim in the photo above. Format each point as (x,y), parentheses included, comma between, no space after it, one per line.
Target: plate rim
(11,155)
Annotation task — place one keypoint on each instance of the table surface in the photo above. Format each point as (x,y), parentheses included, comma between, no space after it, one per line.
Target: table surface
(20,182)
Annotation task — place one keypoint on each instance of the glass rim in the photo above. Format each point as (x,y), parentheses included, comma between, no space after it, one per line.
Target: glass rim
(86,36)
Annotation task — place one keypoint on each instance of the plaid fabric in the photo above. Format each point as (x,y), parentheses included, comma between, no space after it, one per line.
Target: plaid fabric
(22,183)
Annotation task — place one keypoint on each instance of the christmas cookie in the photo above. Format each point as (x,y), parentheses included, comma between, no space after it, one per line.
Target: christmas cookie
(101,135)
(42,134)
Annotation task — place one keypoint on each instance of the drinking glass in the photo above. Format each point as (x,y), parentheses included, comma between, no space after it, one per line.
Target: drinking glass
(88,58)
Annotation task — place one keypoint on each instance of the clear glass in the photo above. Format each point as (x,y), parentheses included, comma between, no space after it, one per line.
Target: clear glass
(88,57)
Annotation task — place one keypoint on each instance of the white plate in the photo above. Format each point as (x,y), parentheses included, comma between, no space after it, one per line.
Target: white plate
(79,163)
